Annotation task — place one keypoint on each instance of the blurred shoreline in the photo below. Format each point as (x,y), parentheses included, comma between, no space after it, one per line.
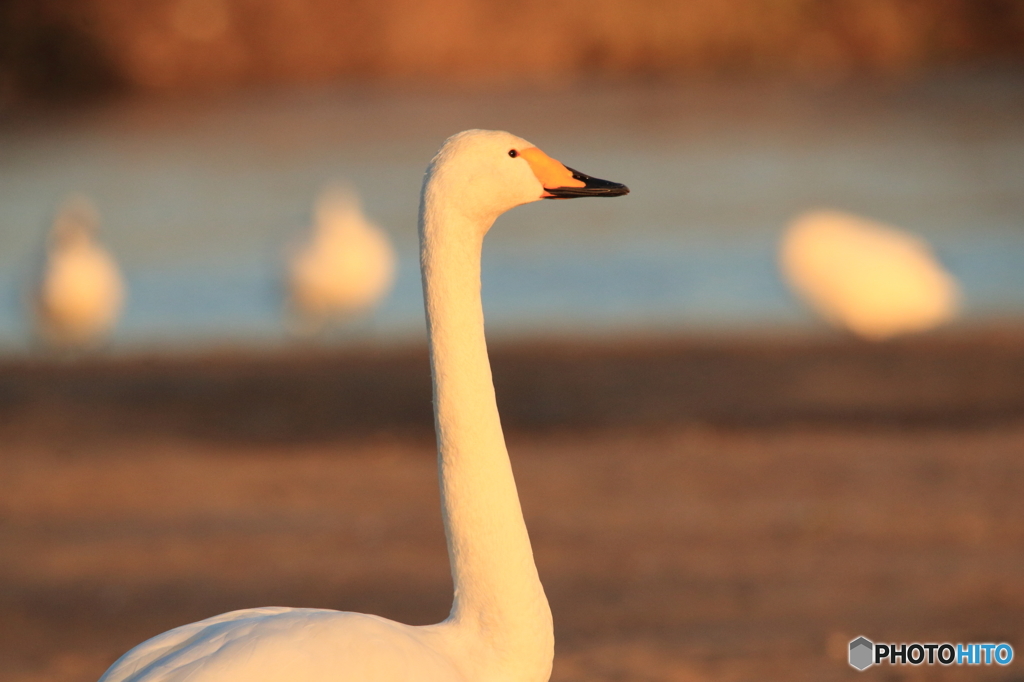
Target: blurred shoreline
(83,48)
(957,379)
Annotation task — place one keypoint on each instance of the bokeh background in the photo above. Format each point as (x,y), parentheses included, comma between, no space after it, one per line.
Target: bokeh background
(719,484)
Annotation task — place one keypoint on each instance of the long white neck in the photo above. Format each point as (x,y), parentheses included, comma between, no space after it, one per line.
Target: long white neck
(499,601)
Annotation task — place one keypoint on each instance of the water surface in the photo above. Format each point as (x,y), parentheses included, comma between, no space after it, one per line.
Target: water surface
(201,200)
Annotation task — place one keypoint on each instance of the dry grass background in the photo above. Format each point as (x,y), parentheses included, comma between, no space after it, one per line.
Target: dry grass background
(66,46)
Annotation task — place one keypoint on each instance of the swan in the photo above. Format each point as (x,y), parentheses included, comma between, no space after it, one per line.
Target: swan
(81,292)
(347,266)
(500,627)
(873,279)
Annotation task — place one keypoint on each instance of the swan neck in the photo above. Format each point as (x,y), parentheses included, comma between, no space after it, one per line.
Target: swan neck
(498,595)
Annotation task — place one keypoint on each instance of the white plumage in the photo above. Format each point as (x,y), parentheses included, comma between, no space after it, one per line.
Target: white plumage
(81,292)
(282,644)
(500,628)
(347,266)
(872,279)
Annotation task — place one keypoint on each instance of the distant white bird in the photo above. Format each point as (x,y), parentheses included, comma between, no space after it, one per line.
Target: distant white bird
(873,279)
(79,297)
(346,267)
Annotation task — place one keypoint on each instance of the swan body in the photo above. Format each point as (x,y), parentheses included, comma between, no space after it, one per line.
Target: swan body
(499,628)
(81,292)
(275,644)
(348,264)
(872,279)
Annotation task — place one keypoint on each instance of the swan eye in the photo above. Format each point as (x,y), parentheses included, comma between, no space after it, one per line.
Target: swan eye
(513,153)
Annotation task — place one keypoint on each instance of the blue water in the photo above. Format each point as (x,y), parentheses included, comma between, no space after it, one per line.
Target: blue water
(201,199)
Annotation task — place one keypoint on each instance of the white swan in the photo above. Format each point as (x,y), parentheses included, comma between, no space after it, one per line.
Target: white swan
(81,292)
(500,624)
(347,266)
(870,278)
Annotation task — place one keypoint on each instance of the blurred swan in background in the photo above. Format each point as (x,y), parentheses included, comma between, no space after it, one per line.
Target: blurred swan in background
(873,279)
(346,267)
(500,626)
(81,292)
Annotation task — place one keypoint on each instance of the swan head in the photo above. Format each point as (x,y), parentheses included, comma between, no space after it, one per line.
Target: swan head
(75,225)
(483,173)
(339,211)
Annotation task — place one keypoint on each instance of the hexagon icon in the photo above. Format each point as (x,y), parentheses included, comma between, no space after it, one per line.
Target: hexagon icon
(861,650)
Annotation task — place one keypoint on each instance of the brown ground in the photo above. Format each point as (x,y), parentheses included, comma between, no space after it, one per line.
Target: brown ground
(671,549)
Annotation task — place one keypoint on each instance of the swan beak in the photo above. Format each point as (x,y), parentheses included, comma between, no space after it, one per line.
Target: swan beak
(561,182)
(591,187)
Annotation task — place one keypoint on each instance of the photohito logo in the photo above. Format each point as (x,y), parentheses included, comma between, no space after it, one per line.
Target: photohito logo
(864,653)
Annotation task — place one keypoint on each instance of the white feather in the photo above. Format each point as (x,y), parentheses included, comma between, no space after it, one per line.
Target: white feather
(81,292)
(873,279)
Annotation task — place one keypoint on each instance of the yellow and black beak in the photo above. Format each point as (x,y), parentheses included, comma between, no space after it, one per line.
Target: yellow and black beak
(561,182)
(591,187)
